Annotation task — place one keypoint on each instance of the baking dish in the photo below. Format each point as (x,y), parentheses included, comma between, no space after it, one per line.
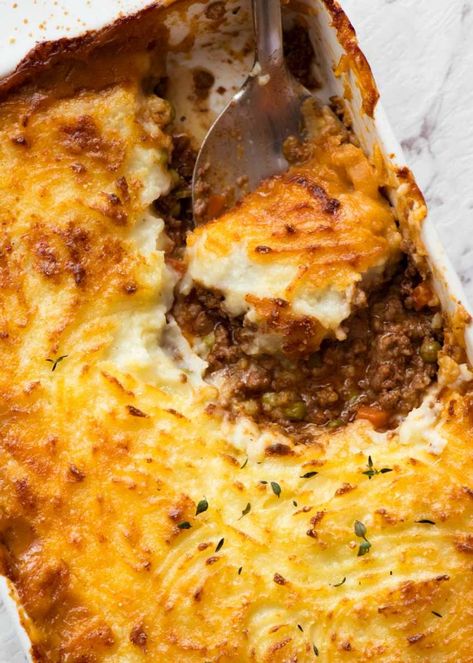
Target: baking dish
(345,74)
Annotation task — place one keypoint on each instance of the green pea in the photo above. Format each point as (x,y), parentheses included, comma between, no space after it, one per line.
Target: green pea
(429,351)
(270,400)
(335,423)
(209,340)
(296,411)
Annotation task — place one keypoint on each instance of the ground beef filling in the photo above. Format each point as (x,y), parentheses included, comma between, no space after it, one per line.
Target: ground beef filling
(300,56)
(380,372)
(176,208)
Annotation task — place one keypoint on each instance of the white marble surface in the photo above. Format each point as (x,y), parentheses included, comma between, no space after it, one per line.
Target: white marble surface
(421,52)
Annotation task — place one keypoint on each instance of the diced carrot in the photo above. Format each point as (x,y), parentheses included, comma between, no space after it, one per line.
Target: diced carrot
(423,295)
(215,205)
(379,418)
(177,265)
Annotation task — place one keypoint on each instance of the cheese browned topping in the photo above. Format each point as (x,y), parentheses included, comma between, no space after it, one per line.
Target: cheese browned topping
(300,247)
(139,522)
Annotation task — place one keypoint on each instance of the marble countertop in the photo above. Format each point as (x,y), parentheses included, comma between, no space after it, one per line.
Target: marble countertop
(421,53)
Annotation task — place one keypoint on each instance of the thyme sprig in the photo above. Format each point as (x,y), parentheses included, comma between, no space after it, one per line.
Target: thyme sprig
(56,361)
(372,471)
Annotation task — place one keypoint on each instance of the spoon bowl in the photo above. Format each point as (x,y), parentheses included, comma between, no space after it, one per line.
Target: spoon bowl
(245,144)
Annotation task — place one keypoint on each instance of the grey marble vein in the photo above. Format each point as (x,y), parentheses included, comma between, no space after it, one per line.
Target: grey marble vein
(421,52)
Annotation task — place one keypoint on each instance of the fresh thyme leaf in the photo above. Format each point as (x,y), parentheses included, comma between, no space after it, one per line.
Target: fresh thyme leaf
(202,506)
(240,570)
(264,483)
(300,628)
(316,651)
(364,548)
(295,503)
(372,471)
(56,361)
(185,525)
(219,545)
(245,511)
(425,521)
(339,584)
(437,614)
(276,488)
(309,475)
(244,463)
(360,529)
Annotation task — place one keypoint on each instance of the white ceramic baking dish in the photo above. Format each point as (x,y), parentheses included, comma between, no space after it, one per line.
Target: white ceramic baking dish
(63,27)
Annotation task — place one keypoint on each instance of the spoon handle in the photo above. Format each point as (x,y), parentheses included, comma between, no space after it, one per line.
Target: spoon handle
(268,34)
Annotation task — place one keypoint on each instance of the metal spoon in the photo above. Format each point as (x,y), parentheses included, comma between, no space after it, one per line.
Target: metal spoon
(245,143)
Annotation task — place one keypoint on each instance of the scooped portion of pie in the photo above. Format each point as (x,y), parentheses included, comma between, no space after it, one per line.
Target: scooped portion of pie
(302,252)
